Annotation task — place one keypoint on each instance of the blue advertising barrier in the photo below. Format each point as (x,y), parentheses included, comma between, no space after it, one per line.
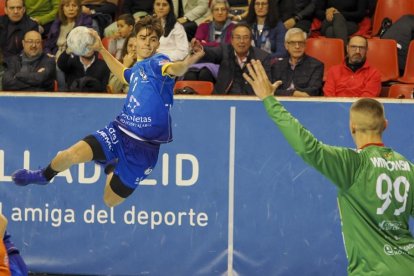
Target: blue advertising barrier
(228,196)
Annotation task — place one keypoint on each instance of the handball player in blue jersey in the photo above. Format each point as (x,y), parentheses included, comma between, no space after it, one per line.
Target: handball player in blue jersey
(129,145)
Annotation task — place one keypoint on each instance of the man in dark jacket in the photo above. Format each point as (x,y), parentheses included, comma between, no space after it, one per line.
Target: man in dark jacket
(301,75)
(84,73)
(233,59)
(33,70)
(13,25)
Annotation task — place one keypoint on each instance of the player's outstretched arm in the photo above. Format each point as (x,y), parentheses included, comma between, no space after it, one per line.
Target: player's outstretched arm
(179,68)
(259,81)
(116,67)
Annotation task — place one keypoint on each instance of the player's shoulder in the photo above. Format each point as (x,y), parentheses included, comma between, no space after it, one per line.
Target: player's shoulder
(160,59)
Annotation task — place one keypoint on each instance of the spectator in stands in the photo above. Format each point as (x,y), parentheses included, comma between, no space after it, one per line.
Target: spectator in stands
(340,18)
(300,15)
(43,12)
(238,9)
(173,43)
(233,58)
(4,263)
(354,77)
(32,70)
(190,13)
(84,73)
(218,30)
(102,12)
(69,17)
(402,31)
(128,60)
(138,9)
(16,263)
(125,26)
(14,24)
(267,29)
(212,34)
(301,75)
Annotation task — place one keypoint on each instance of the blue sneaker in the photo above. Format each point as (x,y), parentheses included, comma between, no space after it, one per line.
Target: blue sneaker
(24,177)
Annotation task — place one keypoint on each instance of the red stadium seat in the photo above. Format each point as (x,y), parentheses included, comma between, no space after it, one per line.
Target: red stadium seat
(330,51)
(382,54)
(401,91)
(408,76)
(201,87)
(2,6)
(393,9)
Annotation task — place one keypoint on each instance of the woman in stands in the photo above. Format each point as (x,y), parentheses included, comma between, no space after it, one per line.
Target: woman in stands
(267,27)
(212,33)
(70,16)
(174,41)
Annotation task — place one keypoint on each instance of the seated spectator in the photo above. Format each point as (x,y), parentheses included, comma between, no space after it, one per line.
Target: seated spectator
(137,8)
(43,12)
(69,17)
(4,263)
(238,9)
(101,11)
(125,26)
(190,13)
(32,70)
(219,29)
(354,77)
(16,263)
(340,18)
(300,14)
(402,31)
(129,55)
(14,24)
(267,28)
(301,75)
(212,34)
(174,41)
(84,73)
(233,58)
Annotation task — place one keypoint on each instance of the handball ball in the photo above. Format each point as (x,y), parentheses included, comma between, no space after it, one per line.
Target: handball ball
(79,40)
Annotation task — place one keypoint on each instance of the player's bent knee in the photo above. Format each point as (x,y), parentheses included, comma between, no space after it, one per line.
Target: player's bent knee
(115,191)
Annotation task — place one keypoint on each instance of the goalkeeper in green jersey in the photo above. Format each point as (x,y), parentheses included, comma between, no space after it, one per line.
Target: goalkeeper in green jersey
(375,184)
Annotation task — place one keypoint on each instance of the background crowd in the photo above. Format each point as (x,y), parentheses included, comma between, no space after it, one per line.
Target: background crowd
(35,56)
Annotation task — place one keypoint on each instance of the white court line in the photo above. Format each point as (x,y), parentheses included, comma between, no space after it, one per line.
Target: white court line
(231,191)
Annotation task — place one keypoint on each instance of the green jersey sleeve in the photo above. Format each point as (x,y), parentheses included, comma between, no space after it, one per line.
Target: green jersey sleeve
(329,160)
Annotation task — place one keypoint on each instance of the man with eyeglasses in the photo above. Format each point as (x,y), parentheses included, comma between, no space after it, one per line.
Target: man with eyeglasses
(13,25)
(354,77)
(301,75)
(233,58)
(33,70)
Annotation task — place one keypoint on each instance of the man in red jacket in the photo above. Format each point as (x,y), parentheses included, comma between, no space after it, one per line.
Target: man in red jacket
(354,77)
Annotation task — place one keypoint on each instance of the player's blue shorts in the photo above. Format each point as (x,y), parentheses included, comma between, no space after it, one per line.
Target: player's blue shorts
(136,159)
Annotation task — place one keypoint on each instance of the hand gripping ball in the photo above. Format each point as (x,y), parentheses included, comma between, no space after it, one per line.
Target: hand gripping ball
(79,40)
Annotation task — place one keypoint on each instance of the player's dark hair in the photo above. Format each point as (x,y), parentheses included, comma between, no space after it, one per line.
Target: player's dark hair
(151,24)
